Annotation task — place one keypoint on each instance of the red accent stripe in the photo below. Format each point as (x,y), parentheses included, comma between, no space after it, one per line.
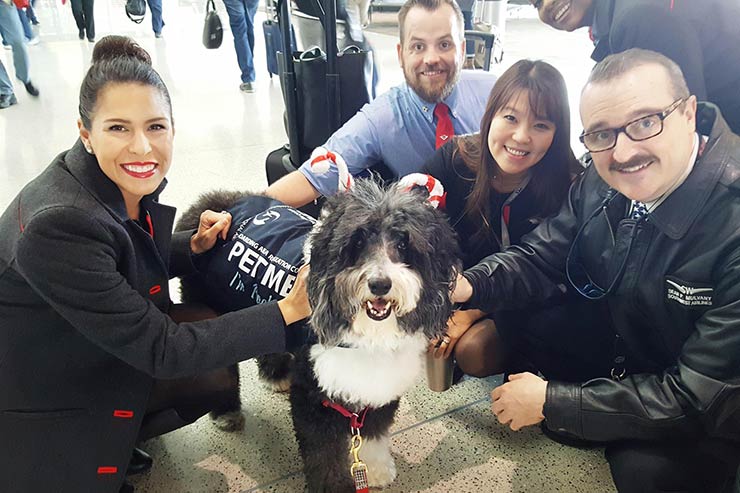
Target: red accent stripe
(506,214)
(107,470)
(122,413)
(155,289)
(20,223)
(151,226)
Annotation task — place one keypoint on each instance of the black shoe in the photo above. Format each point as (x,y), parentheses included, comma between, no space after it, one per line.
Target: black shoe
(140,462)
(82,33)
(31,89)
(92,40)
(126,487)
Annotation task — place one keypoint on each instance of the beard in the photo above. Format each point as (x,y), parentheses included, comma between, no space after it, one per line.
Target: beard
(432,94)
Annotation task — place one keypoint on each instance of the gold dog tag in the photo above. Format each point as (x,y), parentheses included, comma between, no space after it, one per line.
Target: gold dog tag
(358,469)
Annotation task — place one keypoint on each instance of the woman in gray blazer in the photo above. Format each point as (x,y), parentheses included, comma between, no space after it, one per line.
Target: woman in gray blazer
(86,252)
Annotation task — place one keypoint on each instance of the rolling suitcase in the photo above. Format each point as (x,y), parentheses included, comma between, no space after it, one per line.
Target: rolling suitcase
(273,39)
(286,159)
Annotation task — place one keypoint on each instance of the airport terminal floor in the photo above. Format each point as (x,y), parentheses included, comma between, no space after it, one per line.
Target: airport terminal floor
(442,442)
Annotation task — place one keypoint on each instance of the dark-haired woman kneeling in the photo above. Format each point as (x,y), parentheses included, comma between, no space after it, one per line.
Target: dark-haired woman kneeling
(89,354)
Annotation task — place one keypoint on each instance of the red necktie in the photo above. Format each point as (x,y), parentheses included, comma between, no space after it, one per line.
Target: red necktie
(445,131)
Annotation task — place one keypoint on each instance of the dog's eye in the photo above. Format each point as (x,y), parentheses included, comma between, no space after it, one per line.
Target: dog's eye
(402,245)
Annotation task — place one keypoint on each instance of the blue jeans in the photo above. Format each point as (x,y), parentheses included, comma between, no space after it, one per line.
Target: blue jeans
(155,6)
(12,31)
(241,19)
(5,86)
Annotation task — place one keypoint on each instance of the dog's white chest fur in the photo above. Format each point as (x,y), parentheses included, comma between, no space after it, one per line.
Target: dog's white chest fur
(369,376)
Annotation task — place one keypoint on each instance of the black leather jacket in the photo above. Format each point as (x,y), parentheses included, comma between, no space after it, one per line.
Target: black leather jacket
(676,307)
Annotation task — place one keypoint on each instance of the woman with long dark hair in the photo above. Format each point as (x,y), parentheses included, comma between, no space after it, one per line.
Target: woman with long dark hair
(501,183)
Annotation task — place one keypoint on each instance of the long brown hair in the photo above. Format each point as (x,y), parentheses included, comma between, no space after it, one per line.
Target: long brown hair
(550,177)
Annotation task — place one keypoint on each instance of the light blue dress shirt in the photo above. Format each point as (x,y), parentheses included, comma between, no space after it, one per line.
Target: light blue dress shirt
(398,129)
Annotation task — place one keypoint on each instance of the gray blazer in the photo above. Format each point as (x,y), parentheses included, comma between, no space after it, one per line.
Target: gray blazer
(83,328)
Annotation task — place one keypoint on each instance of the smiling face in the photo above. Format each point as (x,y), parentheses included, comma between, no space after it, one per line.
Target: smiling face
(643,170)
(565,15)
(431,52)
(518,139)
(131,137)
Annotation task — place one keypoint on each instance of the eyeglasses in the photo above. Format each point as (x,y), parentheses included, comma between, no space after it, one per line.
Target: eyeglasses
(643,128)
(576,272)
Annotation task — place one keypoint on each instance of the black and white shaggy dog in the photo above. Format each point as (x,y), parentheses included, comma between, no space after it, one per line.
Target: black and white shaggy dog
(382,265)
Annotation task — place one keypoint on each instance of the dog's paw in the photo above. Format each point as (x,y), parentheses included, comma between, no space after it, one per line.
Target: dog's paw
(279,386)
(381,468)
(231,421)
(383,475)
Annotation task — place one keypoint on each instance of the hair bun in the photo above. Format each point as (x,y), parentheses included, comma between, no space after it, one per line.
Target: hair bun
(111,47)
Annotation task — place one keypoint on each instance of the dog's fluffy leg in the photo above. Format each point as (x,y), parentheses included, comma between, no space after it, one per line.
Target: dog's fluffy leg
(230,421)
(381,468)
(275,371)
(226,404)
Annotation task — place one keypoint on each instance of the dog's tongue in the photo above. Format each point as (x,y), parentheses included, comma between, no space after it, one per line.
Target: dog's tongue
(379,304)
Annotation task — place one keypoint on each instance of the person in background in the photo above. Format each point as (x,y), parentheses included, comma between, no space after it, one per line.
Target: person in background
(155,7)
(646,359)
(241,19)
(7,96)
(83,12)
(31,37)
(500,183)
(95,356)
(700,36)
(12,31)
(402,128)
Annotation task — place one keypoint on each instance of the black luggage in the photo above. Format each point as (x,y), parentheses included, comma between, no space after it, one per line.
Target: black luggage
(273,39)
(327,94)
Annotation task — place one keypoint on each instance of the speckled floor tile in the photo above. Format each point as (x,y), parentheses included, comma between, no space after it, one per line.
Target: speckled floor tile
(442,442)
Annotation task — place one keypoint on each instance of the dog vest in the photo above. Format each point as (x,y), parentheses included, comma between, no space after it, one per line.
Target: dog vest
(259,260)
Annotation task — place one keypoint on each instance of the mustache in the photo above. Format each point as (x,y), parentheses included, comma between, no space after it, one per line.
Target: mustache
(434,67)
(635,161)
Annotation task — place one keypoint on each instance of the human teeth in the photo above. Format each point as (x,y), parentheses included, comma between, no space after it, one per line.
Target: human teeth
(516,152)
(560,13)
(144,168)
(634,169)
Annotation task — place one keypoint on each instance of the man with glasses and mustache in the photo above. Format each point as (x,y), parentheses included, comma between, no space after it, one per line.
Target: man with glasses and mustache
(701,36)
(644,356)
(402,128)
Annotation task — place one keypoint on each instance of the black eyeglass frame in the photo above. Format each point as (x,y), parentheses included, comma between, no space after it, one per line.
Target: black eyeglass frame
(662,115)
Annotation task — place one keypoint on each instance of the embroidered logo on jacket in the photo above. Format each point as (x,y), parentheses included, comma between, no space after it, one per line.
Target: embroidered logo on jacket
(688,295)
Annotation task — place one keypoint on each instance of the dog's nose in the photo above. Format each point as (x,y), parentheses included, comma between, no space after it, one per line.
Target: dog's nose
(379,286)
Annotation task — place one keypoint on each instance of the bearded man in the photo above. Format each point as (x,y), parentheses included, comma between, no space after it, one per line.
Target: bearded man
(402,128)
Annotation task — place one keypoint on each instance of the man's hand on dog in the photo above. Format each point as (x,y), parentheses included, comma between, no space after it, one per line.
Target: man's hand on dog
(463,290)
(211,226)
(520,401)
(295,306)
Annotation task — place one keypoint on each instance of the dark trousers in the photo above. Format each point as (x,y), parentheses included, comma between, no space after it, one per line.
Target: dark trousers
(82,10)
(180,402)
(705,466)
(573,342)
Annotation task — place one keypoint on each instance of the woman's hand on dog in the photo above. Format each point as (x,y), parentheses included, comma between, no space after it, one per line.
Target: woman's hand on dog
(457,325)
(295,306)
(211,226)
